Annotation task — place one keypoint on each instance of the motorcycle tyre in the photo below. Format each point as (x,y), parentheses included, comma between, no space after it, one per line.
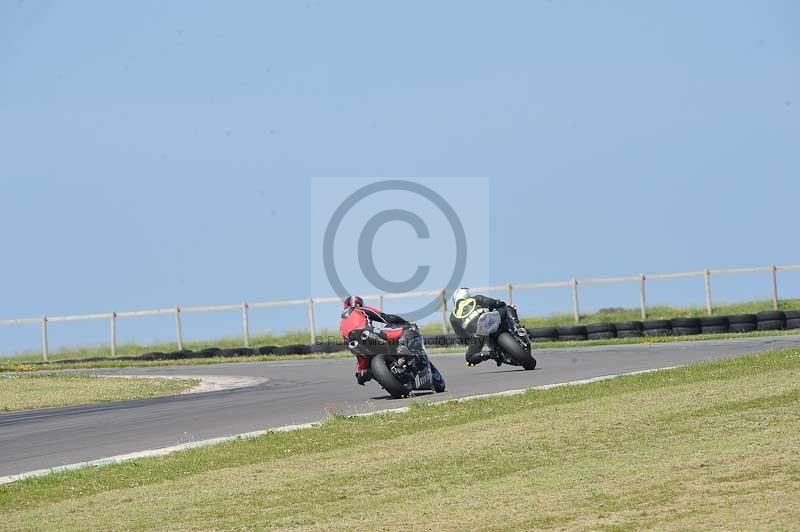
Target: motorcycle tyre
(517,353)
(383,375)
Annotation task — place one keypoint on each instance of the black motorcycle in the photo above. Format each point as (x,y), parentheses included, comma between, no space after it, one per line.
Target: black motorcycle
(507,338)
(398,374)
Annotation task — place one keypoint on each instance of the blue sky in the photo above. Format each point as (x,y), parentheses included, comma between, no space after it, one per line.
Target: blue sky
(158,153)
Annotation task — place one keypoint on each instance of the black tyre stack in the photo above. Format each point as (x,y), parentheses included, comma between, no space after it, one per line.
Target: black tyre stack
(686,326)
(629,329)
(237,352)
(543,334)
(575,332)
(657,327)
(714,325)
(741,323)
(209,352)
(601,331)
(793,319)
(153,355)
(329,347)
(771,320)
(174,355)
(294,349)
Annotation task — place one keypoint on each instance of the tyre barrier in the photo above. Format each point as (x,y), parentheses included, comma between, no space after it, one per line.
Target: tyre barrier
(174,355)
(685,326)
(740,323)
(208,353)
(543,334)
(573,333)
(657,327)
(601,331)
(714,325)
(630,329)
(294,349)
(237,352)
(770,320)
(793,319)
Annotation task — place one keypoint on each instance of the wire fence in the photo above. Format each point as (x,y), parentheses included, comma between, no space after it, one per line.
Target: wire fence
(509,289)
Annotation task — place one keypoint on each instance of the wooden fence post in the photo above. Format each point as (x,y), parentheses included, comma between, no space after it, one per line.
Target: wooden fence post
(774,287)
(575,304)
(642,296)
(113,334)
(311,321)
(178,329)
(246,324)
(44,338)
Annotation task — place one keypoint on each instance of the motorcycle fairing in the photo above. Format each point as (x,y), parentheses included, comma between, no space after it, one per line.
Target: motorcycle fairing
(488,323)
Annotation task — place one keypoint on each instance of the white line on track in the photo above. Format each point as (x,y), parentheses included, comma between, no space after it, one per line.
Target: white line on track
(287,428)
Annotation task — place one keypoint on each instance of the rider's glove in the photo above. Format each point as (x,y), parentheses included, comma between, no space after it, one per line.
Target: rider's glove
(363,376)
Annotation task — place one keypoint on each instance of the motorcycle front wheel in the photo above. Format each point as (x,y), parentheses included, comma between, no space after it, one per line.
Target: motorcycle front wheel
(382,374)
(518,353)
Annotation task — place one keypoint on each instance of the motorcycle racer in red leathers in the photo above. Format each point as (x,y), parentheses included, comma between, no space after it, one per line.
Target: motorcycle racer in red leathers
(356,318)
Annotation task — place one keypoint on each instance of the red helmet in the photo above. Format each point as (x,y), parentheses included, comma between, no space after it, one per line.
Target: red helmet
(353,302)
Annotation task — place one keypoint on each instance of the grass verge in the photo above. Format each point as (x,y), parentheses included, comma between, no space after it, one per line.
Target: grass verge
(712,445)
(28,392)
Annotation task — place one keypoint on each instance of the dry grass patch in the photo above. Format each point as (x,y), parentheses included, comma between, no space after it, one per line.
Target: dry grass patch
(31,391)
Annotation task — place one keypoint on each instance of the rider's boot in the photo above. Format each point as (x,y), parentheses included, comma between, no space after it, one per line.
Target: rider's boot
(498,357)
(474,360)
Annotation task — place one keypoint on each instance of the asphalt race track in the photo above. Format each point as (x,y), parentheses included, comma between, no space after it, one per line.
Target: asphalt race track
(303,391)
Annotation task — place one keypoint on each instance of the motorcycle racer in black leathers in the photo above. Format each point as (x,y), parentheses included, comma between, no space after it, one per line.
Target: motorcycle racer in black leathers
(464,317)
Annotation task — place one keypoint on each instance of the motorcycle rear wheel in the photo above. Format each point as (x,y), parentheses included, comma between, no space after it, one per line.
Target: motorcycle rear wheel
(514,350)
(382,374)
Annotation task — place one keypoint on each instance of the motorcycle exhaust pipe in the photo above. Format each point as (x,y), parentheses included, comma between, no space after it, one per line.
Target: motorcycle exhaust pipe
(368,336)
